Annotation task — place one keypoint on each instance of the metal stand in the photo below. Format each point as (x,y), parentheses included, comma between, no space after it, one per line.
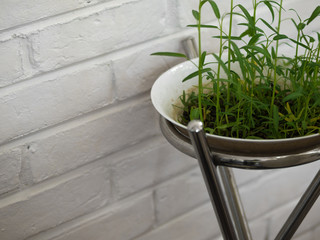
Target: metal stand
(221,185)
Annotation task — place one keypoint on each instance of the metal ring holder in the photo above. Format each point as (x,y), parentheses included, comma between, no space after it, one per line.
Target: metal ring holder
(223,190)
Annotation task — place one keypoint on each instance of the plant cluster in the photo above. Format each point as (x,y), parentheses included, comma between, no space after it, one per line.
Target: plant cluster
(270,96)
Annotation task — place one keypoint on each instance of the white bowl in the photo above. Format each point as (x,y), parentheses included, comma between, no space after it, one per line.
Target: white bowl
(169,86)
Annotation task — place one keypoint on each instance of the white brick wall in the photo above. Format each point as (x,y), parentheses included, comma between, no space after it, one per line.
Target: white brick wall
(11,67)
(81,153)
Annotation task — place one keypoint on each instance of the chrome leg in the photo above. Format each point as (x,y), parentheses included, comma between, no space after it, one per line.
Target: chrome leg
(210,175)
(301,210)
(233,197)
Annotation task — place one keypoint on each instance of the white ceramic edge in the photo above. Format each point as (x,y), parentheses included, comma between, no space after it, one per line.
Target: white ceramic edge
(169,86)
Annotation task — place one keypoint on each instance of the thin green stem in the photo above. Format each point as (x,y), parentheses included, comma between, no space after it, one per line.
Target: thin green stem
(276,61)
(254,71)
(316,72)
(229,53)
(229,56)
(218,77)
(200,65)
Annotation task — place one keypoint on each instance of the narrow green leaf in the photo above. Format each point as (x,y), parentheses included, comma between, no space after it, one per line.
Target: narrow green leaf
(255,39)
(268,4)
(251,28)
(223,65)
(268,25)
(202,59)
(257,62)
(304,125)
(228,125)
(314,14)
(294,23)
(276,117)
(239,57)
(273,53)
(194,113)
(202,26)
(300,44)
(196,14)
(245,33)
(215,8)
(293,96)
(227,37)
(311,39)
(259,50)
(246,13)
(280,36)
(196,73)
(301,26)
(170,54)
(202,3)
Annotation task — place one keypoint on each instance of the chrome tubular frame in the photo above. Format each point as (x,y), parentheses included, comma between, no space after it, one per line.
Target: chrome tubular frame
(221,185)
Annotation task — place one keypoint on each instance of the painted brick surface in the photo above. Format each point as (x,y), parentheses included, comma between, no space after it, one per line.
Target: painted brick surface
(180,195)
(306,236)
(125,221)
(259,228)
(198,224)
(244,176)
(89,36)
(11,61)
(46,206)
(276,189)
(316,233)
(10,167)
(11,15)
(81,152)
(61,98)
(141,69)
(154,163)
(310,222)
(94,138)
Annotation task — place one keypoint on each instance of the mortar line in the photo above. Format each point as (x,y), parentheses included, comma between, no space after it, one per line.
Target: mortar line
(117,106)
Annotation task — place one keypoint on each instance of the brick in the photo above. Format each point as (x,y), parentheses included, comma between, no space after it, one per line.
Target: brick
(43,207)
(276,189)
(87,36)
(316,233)
(218,238)
(11,63)
(243,176)
(87,140)
(180,195)
(259,228)
(135,72)
(311,221)
(38,105)
(199,224)
(10,167)
(151,164)
(123,222)
(15,12)
(305,236)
